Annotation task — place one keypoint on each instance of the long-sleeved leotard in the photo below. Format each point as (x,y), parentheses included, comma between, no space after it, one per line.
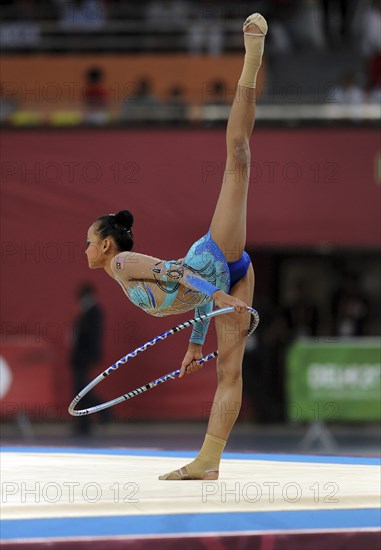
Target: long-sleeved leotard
(169,287)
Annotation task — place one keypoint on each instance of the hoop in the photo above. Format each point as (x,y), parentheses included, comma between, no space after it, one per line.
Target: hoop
(144,347)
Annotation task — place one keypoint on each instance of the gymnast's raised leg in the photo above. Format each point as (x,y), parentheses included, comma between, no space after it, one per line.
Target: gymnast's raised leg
(228,229)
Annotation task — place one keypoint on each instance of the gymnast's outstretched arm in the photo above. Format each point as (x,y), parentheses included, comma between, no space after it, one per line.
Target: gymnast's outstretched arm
(133,266)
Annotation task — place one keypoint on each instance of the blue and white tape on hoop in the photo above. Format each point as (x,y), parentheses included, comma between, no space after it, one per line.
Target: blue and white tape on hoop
(154,383)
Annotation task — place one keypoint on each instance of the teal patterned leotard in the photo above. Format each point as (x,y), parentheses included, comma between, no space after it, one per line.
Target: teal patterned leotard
(206,260)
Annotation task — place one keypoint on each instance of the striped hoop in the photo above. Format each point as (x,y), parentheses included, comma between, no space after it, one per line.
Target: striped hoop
(144,347)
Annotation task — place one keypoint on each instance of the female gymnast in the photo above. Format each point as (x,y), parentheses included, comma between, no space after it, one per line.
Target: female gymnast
(215,269)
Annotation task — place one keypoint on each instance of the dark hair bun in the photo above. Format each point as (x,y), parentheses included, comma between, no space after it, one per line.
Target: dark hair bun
(124,218)
(118,226)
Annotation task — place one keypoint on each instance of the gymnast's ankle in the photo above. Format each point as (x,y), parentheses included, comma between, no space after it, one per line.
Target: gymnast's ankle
(205,466)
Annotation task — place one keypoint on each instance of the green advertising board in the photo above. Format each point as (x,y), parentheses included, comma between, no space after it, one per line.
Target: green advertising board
(334,381)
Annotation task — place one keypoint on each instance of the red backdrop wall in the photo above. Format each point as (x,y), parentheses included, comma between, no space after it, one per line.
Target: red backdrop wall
(308,187)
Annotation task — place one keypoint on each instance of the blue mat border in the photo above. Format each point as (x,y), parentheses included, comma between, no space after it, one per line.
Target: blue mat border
(321,459)
(161,524)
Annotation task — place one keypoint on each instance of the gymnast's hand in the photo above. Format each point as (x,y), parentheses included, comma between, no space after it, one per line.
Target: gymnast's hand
(222,300)
(190,363)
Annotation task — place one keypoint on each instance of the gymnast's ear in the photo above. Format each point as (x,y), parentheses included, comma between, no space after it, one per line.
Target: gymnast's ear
(106,245)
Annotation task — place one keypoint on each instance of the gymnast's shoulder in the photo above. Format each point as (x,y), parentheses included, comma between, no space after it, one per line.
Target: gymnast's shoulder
(131,265)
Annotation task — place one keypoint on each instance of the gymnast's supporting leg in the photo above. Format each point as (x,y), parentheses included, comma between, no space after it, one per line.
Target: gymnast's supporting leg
(228,229)
(231,334)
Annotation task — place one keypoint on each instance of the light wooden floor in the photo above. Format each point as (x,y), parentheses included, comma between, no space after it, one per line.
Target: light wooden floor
(47,483)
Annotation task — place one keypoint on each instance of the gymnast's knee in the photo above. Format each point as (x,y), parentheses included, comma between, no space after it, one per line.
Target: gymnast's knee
(240,151)
(228,373)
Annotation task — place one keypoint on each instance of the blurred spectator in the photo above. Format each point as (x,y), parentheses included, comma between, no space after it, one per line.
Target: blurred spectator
(215,93)
(349,95)
(86,351)
(294,26)
(8,103)
(214,109)
(350,308)
(175,108)
(337,20)
(301,316)
(95,97)
(308,30)
(206,33)
(142,105)
(166,22)
(142,94)
(371,31)
(84,14)
(167,12)
(20,25)
(281,17)
(348,91)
